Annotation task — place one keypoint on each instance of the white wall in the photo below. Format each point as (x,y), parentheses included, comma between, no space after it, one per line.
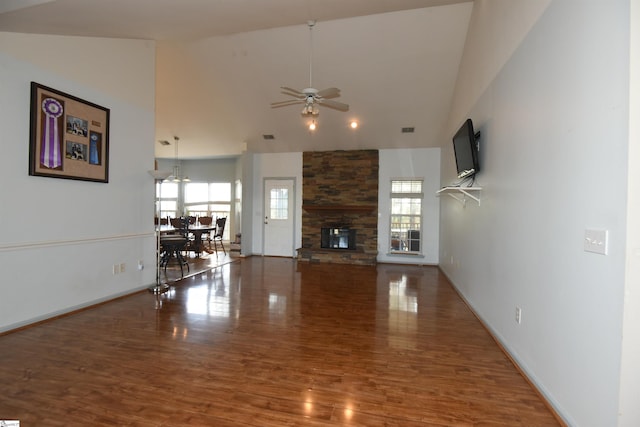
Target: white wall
(118,67)
(485,52)
(629,410)
(210,170)
(62,237)
(276,165)
(245,166)
(554,123)
(421,163)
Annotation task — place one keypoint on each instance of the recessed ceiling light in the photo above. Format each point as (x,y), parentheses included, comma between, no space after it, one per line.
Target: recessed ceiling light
(353,124)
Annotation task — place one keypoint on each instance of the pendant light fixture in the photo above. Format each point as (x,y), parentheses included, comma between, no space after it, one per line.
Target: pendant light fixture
(176,166)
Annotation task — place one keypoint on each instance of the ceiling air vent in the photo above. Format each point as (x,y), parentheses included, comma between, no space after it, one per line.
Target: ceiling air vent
(267,137)
(408,130)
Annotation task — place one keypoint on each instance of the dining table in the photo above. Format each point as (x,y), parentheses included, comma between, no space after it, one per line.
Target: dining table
(196,230)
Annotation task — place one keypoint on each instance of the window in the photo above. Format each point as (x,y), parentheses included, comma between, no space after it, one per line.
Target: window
(279,203)
(199,199)
(196,199)
(208,199)
(406,216)
(169,199)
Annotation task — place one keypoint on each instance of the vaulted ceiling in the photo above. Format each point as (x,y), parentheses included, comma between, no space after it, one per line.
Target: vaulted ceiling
(221,63)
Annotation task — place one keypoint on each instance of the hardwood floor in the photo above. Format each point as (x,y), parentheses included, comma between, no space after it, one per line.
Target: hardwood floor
(270,342)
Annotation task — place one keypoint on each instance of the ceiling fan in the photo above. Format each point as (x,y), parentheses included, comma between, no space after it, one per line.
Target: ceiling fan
(311,97)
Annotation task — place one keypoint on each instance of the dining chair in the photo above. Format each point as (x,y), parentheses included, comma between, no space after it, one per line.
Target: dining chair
(181,226)
(163,221)
(172,247)
(217,237)
(206,221)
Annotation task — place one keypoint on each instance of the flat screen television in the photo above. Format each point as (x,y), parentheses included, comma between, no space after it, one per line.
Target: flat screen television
(465,146)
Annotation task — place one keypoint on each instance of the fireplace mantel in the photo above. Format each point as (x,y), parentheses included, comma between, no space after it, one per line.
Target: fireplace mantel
(339,208)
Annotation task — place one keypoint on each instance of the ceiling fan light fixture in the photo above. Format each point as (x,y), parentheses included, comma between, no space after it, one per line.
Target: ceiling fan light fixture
(310,110)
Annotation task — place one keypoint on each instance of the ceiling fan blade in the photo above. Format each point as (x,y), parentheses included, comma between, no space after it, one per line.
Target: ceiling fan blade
(334,104)
(285,103)
(295,95)
(296,91)
(331,92)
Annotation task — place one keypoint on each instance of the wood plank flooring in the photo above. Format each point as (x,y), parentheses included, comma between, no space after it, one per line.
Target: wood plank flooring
(270,342)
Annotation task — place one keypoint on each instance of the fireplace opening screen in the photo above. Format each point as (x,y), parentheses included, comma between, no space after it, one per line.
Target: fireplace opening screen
(338,238)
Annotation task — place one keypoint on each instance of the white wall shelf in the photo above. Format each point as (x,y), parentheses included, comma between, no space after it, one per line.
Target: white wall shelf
(462,193)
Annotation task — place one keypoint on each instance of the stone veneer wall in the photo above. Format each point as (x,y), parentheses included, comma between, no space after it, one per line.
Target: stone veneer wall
(340,188)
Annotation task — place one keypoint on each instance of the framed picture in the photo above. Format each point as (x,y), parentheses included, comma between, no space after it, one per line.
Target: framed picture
(69,136)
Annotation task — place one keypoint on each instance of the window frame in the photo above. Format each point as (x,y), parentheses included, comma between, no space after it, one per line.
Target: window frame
(164,213)
(404,246)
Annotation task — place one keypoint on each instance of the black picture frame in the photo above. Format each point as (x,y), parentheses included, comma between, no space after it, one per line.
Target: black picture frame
(69,137)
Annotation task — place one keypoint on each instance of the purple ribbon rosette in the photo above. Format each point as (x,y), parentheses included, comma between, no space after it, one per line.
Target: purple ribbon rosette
(51,155)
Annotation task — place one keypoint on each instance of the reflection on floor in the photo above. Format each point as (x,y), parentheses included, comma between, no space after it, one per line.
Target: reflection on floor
(198,264)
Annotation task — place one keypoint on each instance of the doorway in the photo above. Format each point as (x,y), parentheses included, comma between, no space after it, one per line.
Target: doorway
(279,199)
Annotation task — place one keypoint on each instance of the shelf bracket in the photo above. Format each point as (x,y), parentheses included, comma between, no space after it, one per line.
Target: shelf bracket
(461,193)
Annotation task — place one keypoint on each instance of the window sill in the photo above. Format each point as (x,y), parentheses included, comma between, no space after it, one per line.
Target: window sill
(405,254)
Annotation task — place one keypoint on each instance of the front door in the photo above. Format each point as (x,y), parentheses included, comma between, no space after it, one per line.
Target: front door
(278,217)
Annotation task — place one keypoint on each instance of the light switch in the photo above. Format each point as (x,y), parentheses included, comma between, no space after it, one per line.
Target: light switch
(596,241)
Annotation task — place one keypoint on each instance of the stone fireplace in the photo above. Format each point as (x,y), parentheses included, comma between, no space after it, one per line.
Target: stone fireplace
(340,207)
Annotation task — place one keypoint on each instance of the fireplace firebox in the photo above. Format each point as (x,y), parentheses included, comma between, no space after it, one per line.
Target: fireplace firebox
(338,238)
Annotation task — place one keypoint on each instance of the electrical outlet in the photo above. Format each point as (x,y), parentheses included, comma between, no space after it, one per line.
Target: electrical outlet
(140,265)
(518,315)
(116,268)
(123,267)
